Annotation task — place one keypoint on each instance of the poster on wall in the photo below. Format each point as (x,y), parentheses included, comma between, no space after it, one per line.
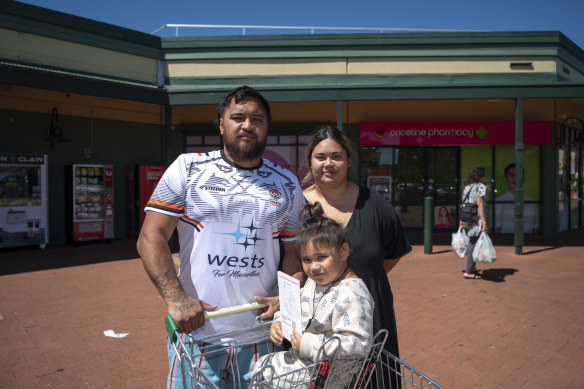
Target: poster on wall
(505,185)
(444,217)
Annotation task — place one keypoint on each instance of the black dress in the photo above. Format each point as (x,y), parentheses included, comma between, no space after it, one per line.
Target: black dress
(376,234)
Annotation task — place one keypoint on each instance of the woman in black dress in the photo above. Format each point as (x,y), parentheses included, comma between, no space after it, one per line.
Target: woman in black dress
(376,237)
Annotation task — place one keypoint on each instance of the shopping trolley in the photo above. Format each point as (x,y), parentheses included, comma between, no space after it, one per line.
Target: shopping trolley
(327,372)
(393,373)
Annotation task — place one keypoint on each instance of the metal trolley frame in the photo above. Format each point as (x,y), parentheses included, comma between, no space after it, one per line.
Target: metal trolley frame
(326,372)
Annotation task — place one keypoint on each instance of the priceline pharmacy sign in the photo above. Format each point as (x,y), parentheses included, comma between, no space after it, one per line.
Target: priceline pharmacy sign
(452,133)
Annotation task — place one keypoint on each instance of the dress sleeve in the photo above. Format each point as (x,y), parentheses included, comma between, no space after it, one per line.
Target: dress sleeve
(394,239)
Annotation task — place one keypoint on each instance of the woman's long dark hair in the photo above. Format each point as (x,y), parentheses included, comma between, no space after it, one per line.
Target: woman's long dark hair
(474,176)
(319,229)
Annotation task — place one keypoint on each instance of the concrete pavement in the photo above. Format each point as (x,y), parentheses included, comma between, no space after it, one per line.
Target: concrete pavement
(521,326)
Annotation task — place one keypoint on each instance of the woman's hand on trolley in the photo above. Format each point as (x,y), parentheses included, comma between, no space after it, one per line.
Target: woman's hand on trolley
(189,313)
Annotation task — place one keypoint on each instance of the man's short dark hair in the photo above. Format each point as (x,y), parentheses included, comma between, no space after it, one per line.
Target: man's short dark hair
(510,166)
(239,94)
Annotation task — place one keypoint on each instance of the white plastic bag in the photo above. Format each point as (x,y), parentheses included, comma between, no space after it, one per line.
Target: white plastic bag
(460,242)
(484,250)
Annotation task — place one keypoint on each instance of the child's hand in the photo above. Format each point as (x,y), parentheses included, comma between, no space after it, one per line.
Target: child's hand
(296,338)
(276,335)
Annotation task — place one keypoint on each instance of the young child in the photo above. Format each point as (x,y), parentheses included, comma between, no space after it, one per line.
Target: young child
(334,301)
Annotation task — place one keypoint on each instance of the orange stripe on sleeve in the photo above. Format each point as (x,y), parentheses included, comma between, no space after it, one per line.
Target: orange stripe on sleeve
(166,205)
(194,221)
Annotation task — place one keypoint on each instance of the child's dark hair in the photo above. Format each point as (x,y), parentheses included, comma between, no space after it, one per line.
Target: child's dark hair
(319,229)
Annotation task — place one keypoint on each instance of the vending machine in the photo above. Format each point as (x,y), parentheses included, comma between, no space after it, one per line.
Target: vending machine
(24,200)
(91,203)
(141,180)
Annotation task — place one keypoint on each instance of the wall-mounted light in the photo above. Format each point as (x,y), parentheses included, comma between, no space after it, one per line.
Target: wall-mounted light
(55,133)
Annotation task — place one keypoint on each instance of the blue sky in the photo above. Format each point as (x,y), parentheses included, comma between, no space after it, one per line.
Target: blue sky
(146,16)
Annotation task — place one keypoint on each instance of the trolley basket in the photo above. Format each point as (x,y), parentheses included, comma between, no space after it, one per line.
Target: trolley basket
(379,368)
(327,372)
(189,349)
(393,373)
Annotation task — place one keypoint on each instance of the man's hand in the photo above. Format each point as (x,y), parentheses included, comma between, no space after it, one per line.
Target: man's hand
(273,306)
(296,339)
(276,335)
(189,314)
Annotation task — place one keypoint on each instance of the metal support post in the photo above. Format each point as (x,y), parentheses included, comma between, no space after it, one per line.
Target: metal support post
(518,238)
(428,223)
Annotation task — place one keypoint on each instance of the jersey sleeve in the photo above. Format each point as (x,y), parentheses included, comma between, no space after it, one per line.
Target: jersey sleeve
(293,224)
(169,195)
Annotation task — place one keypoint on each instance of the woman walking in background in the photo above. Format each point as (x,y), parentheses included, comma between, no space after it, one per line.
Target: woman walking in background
(376,236)
(475,191)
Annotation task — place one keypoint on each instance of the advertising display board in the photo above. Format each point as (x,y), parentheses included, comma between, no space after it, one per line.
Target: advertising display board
(23,200)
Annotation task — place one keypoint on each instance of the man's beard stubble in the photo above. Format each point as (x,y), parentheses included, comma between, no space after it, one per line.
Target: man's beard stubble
(240,151)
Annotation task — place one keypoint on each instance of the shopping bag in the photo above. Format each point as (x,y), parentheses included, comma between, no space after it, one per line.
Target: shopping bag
(460,242)
(484,250)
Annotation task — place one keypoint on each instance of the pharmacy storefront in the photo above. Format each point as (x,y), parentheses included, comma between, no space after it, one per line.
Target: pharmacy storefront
(407,161)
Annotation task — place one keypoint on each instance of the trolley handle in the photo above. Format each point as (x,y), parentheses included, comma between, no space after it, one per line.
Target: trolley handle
(172,329)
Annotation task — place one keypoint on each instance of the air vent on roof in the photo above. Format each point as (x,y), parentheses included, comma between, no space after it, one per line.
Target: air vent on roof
(521,65)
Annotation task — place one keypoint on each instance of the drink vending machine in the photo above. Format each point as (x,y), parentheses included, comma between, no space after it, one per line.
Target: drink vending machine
(141,180)
(24,200)
(91,206)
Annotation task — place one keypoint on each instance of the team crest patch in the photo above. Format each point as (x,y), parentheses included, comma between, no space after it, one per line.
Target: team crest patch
(275,194)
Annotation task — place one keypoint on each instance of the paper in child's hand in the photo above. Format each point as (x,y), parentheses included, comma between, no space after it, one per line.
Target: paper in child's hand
(289,304)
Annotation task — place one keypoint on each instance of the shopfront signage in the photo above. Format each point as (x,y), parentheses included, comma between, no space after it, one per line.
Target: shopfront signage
(21,158)
(452,133)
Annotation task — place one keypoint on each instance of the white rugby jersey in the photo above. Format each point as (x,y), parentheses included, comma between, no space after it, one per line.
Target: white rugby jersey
(230,221)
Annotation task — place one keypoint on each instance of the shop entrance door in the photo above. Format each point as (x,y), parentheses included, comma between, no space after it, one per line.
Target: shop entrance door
(420,172)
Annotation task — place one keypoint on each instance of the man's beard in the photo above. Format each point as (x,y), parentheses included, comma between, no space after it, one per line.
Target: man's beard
(241,151)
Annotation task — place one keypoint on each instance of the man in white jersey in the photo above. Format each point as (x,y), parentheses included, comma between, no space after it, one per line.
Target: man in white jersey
(231,209)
